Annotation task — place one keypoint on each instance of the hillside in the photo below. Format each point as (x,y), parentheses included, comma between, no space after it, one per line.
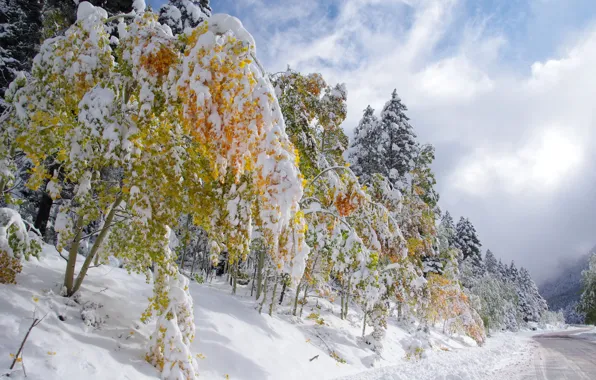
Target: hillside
(98,335)
(563,291)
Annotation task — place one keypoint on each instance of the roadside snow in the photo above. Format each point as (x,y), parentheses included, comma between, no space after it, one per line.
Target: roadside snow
(504,356)
(101,337)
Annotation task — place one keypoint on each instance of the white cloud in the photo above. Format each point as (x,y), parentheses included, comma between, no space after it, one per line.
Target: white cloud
(540,166)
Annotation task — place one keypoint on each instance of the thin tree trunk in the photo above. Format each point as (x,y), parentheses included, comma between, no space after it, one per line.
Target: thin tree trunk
(283,288)
(72,257)
(185,246)
(235,276)
(264,292)
(260,264)
(303,299)
(296,298)
(96,245)
(348,297)
(364,320)
(252,286)
(43,213)
(342,292)
(272,305)
(192,268)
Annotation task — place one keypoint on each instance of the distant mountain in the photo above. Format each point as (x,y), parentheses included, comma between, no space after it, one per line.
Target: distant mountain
(563,291)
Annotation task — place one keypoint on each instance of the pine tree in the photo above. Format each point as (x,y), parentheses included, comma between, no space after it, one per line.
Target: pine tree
(531,304)
(466,239)
(587,302)
(490,261)
(366,152)
(512,273)
(502,271)
(386,146)
(182,14)
(20,33)
(448,226)
(400,145)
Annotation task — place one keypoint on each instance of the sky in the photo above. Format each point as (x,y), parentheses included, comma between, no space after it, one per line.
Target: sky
(504,89)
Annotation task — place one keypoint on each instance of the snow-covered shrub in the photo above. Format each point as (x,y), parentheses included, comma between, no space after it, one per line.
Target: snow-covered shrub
(416,345)
(91,316)
(552,319)
(16,243)
(378,319)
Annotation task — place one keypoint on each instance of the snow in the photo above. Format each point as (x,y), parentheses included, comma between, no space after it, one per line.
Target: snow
(102,337)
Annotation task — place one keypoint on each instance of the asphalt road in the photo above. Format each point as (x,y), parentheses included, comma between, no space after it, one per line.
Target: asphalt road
(561,355)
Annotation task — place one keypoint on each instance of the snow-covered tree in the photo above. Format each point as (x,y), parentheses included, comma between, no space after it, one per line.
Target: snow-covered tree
(366,153)
(399,139)
(492,266)
(468,243)
(182,14)
(587,303)
(530,302)
(20,33)
(153,128)
(17,243)
(385,146)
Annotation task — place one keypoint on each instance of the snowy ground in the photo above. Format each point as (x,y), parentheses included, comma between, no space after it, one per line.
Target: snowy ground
(101,336)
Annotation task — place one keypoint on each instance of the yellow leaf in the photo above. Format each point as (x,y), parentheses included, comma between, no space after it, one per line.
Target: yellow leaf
(12,356)
(51,353)
(35,298)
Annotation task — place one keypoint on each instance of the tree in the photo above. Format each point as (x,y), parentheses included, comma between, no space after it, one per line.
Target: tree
(182,14)
(490,261)
(139,132)
(399,140)
(587,303)
(532,305)
(467,241)
(386,146)
(20,32)
(366,153)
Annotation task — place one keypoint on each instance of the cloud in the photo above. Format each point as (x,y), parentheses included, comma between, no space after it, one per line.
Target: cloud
(504,90)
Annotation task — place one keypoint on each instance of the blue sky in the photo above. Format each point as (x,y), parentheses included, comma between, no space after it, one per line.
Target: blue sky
(504,89)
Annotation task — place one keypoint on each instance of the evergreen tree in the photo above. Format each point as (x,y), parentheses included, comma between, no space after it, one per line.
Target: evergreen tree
(448,226)
(400,145)
(386,146)
(466,239)
(502,271)
(587,302)
(20,33)
(182,14)
(531,304)
(491,263)
(512,273)
(366,152)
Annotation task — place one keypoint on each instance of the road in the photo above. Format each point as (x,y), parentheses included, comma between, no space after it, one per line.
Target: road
(561,355)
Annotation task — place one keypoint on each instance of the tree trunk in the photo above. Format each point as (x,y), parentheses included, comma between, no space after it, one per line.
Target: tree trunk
(342,292)
(72,257)
(192,268)
(252,286)
(185,246)
(303,300)
(364,321)
(260,264)
(43,213)
(96,245)
(235,276)
(264,292)
(283,288)
(348,297)
(273,296)
(296,299)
